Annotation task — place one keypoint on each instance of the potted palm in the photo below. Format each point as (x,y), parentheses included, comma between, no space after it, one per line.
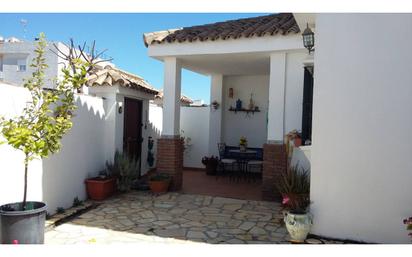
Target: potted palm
(37,133)
(294,185)
(159,183)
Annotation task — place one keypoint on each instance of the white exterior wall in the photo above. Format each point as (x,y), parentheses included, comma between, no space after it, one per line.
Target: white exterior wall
(114,97)
(255,126)
(361,170)
(57,180)
(194,121)
(252,126)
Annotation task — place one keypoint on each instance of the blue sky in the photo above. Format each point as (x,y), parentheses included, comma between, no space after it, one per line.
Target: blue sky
(121,34)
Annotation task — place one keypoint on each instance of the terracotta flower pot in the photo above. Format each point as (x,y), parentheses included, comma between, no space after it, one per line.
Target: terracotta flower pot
(100,189)
(297,141)
(159,186)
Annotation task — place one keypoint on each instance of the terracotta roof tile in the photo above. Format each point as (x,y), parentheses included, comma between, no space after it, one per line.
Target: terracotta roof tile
(268,25)
(183,98)
(109,76)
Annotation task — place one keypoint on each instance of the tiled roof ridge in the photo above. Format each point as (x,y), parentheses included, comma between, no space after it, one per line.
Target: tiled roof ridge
(271,24)
(109,76)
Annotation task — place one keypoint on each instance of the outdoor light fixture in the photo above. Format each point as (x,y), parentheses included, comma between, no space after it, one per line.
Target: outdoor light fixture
(120,107)
(308,39)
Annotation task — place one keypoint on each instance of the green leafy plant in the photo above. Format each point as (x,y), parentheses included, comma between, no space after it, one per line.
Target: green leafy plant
(60,210)
(125,169)
(294,186)
(160,177)
(37,132)
(77,202)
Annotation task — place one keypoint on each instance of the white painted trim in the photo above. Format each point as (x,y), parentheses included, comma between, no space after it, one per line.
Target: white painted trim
(245,45)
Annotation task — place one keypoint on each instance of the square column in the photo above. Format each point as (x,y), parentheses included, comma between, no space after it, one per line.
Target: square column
(274,163)
(215,119)
(170,145)
(171,97)
(170,160)
(274,152)
(277,89)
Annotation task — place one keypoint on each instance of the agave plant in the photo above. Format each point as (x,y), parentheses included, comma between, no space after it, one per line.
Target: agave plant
(294,185)
(125,169)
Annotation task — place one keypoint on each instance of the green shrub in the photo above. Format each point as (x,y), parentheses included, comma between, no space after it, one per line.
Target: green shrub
(125,169)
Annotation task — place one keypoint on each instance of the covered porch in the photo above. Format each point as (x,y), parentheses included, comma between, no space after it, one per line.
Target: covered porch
(263,69)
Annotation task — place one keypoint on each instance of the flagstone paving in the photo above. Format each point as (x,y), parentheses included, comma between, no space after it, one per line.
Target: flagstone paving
(174,218)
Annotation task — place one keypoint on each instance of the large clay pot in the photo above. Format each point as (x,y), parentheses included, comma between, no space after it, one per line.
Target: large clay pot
(22,227)
(100,189)
(159,186)
(298,225)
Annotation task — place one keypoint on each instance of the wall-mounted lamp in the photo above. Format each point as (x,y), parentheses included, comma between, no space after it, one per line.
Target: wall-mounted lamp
(215,105)
(308,39)
(120,107)
(231,92)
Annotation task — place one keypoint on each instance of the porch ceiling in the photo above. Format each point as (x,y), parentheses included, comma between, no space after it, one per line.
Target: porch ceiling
(228,64)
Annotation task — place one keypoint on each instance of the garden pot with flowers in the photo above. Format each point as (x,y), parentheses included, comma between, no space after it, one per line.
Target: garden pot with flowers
(242,144)
(294,187)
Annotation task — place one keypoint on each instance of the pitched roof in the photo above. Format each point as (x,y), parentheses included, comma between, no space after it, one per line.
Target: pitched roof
(268,25)
(183,98)
(110,76)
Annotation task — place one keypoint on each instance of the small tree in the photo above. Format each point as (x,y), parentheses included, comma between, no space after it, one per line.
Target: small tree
(37,132)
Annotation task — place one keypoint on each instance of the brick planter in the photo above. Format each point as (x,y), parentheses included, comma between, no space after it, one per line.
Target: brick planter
(274,162)
(170,160)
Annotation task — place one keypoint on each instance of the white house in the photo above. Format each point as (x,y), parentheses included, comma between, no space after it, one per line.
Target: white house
(15,58)
(360,169)
(259,58)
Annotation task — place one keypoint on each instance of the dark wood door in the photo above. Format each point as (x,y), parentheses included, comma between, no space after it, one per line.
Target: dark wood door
(132,131)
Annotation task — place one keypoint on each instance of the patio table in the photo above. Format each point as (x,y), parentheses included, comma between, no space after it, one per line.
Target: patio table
(242,158)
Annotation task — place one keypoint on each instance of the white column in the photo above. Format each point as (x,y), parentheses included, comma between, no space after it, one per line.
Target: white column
(277,87)
(215,120)
(171,97)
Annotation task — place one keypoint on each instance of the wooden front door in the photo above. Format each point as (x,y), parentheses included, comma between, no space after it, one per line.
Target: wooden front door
(132,130)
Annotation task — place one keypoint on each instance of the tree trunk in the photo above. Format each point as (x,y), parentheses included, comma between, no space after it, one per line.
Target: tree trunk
(26,163)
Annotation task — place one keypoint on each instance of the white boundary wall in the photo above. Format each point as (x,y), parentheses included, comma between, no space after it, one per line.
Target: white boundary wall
(194,121)
(361,155)
(57,180)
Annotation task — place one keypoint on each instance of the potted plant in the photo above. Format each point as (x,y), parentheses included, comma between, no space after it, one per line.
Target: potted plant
(294,187)
(211,164)
(295,137)
(159,183)
(37,133)
(125,169)
(408,223)
(243,144)
(100,187)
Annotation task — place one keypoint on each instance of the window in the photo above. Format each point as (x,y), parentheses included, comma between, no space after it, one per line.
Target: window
(307,106)
(21,65)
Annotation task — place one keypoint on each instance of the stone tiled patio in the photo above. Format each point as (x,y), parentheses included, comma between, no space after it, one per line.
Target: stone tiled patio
(174,218)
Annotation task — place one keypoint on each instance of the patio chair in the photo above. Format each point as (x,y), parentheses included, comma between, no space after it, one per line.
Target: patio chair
(255,165)
(225,160)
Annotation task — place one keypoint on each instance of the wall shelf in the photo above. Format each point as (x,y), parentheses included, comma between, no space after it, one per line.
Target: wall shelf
(243,110)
